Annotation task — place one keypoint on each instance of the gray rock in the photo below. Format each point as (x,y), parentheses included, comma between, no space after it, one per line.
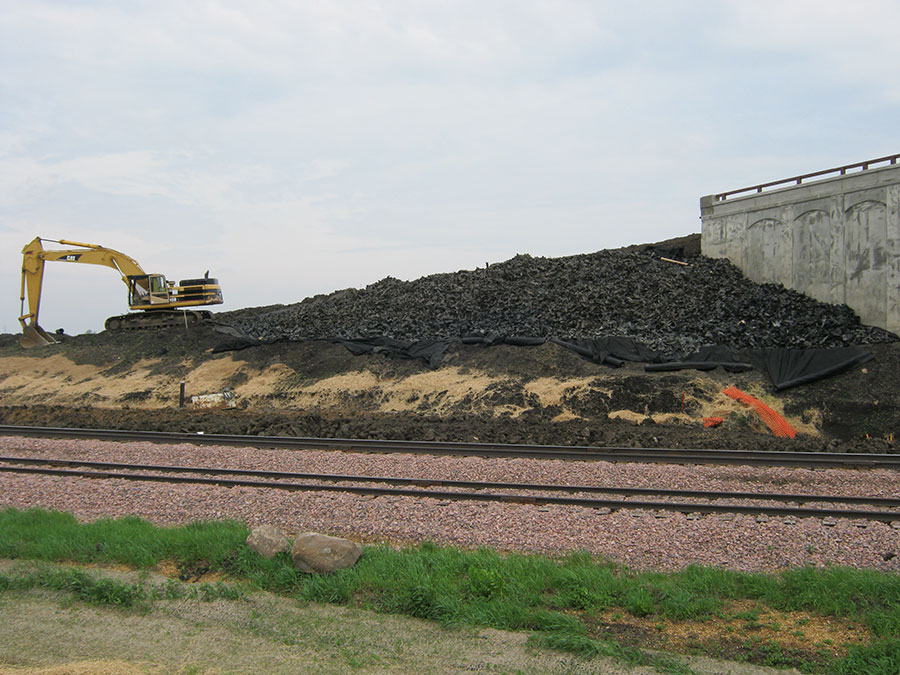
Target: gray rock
(268,540)
(320,553)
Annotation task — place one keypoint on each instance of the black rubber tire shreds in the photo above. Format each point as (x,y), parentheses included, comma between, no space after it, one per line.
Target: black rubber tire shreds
(673,308)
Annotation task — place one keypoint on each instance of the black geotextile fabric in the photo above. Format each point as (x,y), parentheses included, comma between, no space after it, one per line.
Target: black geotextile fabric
(429,351)
(788,368)
(785,367)
(492,339)
(612,351)
(236,344)
(706,358)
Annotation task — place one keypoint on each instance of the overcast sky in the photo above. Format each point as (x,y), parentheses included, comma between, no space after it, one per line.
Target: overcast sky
(295,148)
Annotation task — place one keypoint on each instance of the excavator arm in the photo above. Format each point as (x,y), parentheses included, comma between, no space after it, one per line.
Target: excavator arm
(146,291)
(33,258)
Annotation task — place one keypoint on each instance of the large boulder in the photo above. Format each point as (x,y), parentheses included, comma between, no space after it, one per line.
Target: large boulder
(268,540)
(320,553)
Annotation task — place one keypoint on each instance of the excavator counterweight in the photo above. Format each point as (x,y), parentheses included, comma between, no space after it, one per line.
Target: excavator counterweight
(157,302)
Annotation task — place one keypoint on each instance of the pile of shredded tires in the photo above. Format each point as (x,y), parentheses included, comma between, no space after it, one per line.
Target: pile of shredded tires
(635,293)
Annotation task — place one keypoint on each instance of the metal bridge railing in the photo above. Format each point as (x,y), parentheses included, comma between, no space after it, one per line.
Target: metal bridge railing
(798,180)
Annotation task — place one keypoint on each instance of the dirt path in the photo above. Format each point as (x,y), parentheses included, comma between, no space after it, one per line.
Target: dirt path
(46,633)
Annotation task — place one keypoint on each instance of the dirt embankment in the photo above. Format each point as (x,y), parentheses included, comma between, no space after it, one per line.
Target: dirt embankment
(536,394)
(539,394)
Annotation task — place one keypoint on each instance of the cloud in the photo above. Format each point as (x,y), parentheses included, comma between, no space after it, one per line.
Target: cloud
(179,177)
(300,147)
(827,42)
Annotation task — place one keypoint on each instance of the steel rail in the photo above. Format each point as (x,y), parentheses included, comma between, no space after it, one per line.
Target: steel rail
(563,452)
(768,509)
(445,482)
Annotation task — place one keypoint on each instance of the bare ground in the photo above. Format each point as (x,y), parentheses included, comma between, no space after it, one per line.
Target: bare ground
(539,394)
(46,633)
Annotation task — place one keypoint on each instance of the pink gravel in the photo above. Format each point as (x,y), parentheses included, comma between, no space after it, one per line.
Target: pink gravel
(643,540)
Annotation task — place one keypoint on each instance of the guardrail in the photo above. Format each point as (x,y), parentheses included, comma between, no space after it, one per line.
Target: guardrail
(798,180)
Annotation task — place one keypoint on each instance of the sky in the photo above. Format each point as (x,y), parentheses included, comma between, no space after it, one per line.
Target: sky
(293,148)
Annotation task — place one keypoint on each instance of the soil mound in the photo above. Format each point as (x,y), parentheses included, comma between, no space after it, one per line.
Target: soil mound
(502,393)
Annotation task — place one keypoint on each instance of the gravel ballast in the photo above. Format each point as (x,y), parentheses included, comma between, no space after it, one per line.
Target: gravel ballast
(643,540)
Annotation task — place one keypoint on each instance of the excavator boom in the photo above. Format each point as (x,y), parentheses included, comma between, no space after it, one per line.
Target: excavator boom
(150,293)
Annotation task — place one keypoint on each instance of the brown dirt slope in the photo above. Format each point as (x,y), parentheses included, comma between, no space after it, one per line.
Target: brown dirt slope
(541,394)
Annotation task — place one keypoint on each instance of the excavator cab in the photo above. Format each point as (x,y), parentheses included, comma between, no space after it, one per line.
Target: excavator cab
(147,289)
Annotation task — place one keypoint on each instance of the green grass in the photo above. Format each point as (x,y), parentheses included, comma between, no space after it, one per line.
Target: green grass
(869,597)
(95,589)
(880,658)
(461,588)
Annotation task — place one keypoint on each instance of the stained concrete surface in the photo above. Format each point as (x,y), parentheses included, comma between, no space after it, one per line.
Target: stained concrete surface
(836,240)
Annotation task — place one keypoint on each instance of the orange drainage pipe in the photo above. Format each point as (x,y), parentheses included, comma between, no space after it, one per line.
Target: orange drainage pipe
(773,420)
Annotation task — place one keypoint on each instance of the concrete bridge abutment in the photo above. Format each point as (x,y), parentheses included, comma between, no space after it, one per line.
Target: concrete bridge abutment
(835,239)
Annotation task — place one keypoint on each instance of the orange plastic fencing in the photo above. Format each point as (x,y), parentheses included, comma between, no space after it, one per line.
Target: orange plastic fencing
(712,421)
(773,420)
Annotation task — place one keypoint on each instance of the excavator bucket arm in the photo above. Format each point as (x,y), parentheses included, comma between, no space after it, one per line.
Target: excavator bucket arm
(33,258)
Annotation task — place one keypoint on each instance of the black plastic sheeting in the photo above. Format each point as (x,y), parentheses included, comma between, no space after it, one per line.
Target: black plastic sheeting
(785,368)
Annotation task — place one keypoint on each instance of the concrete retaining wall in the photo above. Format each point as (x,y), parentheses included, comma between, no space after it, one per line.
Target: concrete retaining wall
(837,240)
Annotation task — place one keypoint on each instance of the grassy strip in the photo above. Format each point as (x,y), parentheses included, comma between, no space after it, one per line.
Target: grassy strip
(99,590)
(85,587)
(584,646)
(480,588)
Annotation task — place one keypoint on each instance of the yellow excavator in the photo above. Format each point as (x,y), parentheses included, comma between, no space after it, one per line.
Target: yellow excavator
(157,299)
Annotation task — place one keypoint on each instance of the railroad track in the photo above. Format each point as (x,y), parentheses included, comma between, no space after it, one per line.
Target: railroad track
(709,501)
(562,452)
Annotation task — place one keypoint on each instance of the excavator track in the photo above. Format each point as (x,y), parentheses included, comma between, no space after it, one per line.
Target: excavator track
(164,318)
